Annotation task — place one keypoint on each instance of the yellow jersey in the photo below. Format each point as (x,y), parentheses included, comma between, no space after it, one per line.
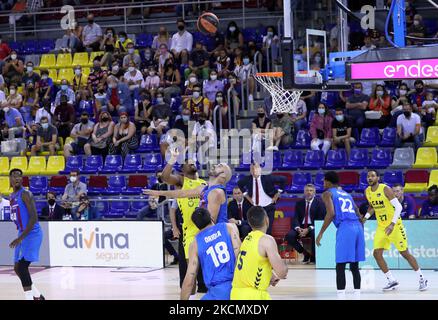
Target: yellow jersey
(383,208)
(252,270)
(187,206)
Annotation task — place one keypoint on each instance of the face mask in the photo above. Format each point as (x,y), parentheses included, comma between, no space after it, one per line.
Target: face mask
(12,91)
(110,34)
(64,87)
(357,91)
(77,72)
(201,122)
(147,56)
(186,118)
(261,115)
(232,80)
(180,27)
(105,119)
(340,117)
(14,56)
(84,121)
(123,120)
(379,93)
(115,68)
(29,69)
(130,69)
(419,90)
(317,59)
(122,39)
(403,92)
(160,100)
(270,34)
(407,114)
(196,94)
(219,99)
(321,111)
(44,77)
(51,202)
(213,77)
(131,50)
(6,109)
(279,116)
(152,73)
(45,125)
(416,23)
(245,61)
(112,86)
(193,80)
(73,179)
(90,21)
(232,29)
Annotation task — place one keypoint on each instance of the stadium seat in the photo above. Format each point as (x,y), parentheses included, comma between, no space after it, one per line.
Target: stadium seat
(4,166)
(48,61)
(369,137)
(93,164)
(116,185)
(303,140)
(102,207)
(97,184)
(245,162)
(136,184)
(29,47)
(388,137)
(5,186)
(136,206)
(55,164)
(63,60)
(299,181)
(292,159)
(80,59)
(272,159)
(381,158)
(433,178)
(393,177)
(314,160)
(426,158)
(132,163)
(118,208)
(349,180)
(416,180)
(86,72)
(336,159)
(232,183)
(39,206)
(39,185)
(280,228)
(358,159)
(19,163)
(432,137)
(403,158)
(53,74)
(46,45)
(148,142)
(319,182)
(37,165)
(113,164)
(67,74)
(152,163)
(73,163)
(363,182)
(57,184)
(288,177)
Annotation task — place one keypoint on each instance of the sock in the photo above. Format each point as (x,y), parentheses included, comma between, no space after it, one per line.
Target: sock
(36,293)
(341,294)
(389,276)
(420,274)
(356,291)
(28,295)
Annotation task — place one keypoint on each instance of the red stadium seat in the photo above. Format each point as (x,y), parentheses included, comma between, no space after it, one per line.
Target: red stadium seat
(349,180)
(416,180)
(280,228)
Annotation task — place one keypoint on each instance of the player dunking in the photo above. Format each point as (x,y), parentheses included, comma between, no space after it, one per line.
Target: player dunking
(215,247)
(258,264)
(350,239)
(390,228)
(28,243)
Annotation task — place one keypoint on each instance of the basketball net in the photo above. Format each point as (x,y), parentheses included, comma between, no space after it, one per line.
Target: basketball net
(283,100)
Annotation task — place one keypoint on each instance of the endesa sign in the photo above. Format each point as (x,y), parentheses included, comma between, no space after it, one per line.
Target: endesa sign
(395,70)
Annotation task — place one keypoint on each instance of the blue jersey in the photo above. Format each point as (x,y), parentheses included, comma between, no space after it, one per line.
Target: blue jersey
(19,213)
(216,255)
(343,204)
(223,210)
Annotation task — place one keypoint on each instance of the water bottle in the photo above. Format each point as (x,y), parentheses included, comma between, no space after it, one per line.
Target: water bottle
(6,213)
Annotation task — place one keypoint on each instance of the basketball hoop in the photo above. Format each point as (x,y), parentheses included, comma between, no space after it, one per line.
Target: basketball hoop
(283,100)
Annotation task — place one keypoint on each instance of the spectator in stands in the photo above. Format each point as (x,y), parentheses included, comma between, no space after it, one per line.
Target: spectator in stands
(70,41)
(14,100)
(152,81)
(233,88)
(204,133)
(418,96)
(142,111)
(198,104)
(181,124)
(356,106)
(148,60)
(316,62)
(182,43)
(163,56)
(102,134)
(282,126)
(233,37)
(428,110)
(341,128)
(64,117)
(223,64)
(409,128)
(101,99)
(47,138)
(124,138)
(122,44)
(133,78)
(5,51)
(409,207)
(44,111)
(299,116)
(108,45)
(14,123)
(217,43)
(85,210)
(198,62)
(261,123)
(190,83)
(417,29)
(91,34)
(321,129)
(223,111)
(65,91)
(162,37)
(397,103)
(80,84)
(96,77)
(13,69)
(2,96)
(237,209)
(368,44)
(116,70)
(271,44)
(212,86)
(238,58)
(72,193)
(131,57)
(30,102)
(81,134)
(380,101)
(53,211)
(429,209)
(118,96)
(246,73)
(161,114)
(45,86)
(30,75)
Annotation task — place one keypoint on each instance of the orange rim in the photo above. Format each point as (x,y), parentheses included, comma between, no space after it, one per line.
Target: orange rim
(270,74)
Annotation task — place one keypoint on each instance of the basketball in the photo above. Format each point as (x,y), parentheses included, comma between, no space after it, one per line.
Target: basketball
(208,23)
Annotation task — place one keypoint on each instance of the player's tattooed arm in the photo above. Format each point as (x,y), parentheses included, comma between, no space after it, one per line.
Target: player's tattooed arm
(235,237)
(192,271)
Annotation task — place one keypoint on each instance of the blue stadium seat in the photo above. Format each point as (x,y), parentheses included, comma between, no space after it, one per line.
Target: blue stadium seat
(16,46)
(272,159)
(299,181)
(152,163)
(292,159)
(132,163)
(245,162)
(314,160)
(393,177)
(118,208)
(40,205)
(319,182)
(232,183)
(336,159)
(102,207)
(136,206)
(113,164)
(144,40)
(388,137)
(303,140)
(311,115)
(363,182)
(73,163)
(358,159)
(369,137)
(148,142)
(116,185)
(152,181)
(84,106)
(29,47)
(93,164)
(38,185)
(381,158)
(45,46)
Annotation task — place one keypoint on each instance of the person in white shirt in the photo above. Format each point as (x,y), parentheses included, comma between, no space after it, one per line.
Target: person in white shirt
(182,43)
(44,111)
(152,81)
(204,129)
(271,43)
(4,203)
(92,34)
(133,77)
(368,44)
(409,128)
(246,72)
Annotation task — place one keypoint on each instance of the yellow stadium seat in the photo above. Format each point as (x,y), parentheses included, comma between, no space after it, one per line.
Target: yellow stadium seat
(433,178)
(64,60)
(415,187)
(69,140)
(20,89)
(55,164)
(47,61)
(86,71)
(37,71)
(19,163)
(426,158)
(37,165)
(67,74)
(93,55)
(432,137)
(80,59)
(4,166)
(5,186)
(53,74)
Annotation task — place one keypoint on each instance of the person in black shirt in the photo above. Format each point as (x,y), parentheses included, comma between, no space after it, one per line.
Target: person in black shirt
(341,127)
(198,63)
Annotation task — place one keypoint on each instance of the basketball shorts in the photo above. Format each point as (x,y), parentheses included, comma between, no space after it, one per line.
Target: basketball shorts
(350,242)
(220,291)
(249,294)
(29,248)
(398,238)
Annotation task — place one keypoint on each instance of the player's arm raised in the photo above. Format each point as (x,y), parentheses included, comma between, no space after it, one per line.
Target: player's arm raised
(192,271)
(167,176)
(175,193)
(27,198)
(397,209)
(235,238)
(269,249)
(330,213)
(215,199)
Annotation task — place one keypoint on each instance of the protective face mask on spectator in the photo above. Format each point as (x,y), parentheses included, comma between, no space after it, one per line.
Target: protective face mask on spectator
(73,179)
(213,77)
(45,125)
(123,120)
(51,202)
(185,118)
(110,34)
(403,92)
(78,72)
(122,39)
(64,87)
(112,85)
(160,100)
(6,109)
(13,56)
(115,68)
(193,80)
(416,23)
(261,115)
(270,34)
(379,93)
(407,114)
(317,59)
(321,111)
(419,89)
(44,77)
(29,68)
(232,29)
(357,91)
(180,27)
(245,61)
(340,117)
(84,120)
(196,94)
(219,99)
(147,55)
(152,73)
(131,50)
(131,69)
(12,91)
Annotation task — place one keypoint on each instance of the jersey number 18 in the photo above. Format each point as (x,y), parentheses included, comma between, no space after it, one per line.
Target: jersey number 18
(219,253)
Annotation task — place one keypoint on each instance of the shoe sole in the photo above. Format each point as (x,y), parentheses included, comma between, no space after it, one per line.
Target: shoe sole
(392,288)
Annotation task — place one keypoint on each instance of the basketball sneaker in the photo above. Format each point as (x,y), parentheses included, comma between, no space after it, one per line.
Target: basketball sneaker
(423,284)
(41,297)
(391,286)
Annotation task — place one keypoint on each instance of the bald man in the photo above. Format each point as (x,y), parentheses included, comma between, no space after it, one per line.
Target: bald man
(213,196)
